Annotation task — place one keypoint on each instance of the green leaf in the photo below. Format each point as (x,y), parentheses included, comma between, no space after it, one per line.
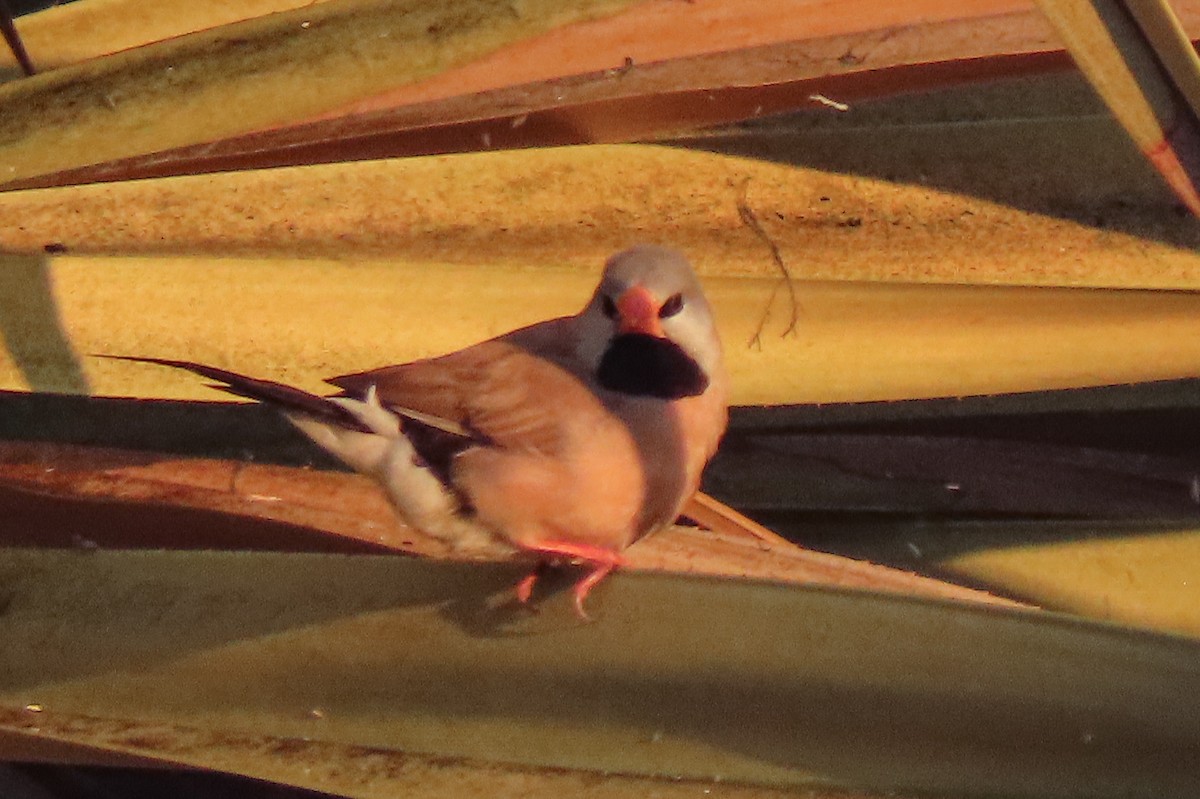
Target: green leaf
(679,678)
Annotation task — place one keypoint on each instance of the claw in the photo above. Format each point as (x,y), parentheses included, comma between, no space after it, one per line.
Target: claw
(584,586)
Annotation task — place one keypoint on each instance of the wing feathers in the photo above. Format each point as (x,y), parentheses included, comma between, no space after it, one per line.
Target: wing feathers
(495,392)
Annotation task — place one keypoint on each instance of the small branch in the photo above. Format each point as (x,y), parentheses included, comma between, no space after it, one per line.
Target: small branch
(9,30)
(750,220)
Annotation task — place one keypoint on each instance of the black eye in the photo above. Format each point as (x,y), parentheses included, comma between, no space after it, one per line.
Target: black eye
(608,306)
(672,306)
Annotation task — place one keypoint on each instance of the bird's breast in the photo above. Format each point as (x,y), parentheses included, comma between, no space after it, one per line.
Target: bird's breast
(675,439)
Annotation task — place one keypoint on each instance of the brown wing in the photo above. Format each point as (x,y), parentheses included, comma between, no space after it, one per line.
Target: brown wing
(497,391)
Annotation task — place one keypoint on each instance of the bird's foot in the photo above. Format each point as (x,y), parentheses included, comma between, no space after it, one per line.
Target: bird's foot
(602,561)
(525,587)
(584,586)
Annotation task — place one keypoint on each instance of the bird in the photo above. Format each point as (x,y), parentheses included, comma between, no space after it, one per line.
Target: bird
(567,440)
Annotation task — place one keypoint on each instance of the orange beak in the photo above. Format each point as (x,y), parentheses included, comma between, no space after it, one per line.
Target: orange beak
(638,313)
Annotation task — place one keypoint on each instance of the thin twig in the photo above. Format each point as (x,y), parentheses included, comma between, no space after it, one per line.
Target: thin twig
(750,219)
(9,30)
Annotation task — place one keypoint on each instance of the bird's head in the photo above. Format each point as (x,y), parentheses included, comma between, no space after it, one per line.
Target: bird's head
(648,330)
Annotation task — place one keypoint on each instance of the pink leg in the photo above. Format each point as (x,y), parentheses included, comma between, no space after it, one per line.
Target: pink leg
(525,587)
(604,561)
(587,584)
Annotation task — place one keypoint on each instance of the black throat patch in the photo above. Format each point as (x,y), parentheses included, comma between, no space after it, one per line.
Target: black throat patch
(648,366)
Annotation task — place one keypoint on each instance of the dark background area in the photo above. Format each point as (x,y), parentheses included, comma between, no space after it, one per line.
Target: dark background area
(19,7)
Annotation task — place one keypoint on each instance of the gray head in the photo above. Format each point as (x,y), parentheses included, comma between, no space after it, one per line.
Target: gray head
(649,293)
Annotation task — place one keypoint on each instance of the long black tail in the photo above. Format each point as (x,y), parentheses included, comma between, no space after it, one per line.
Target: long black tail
(267,392)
